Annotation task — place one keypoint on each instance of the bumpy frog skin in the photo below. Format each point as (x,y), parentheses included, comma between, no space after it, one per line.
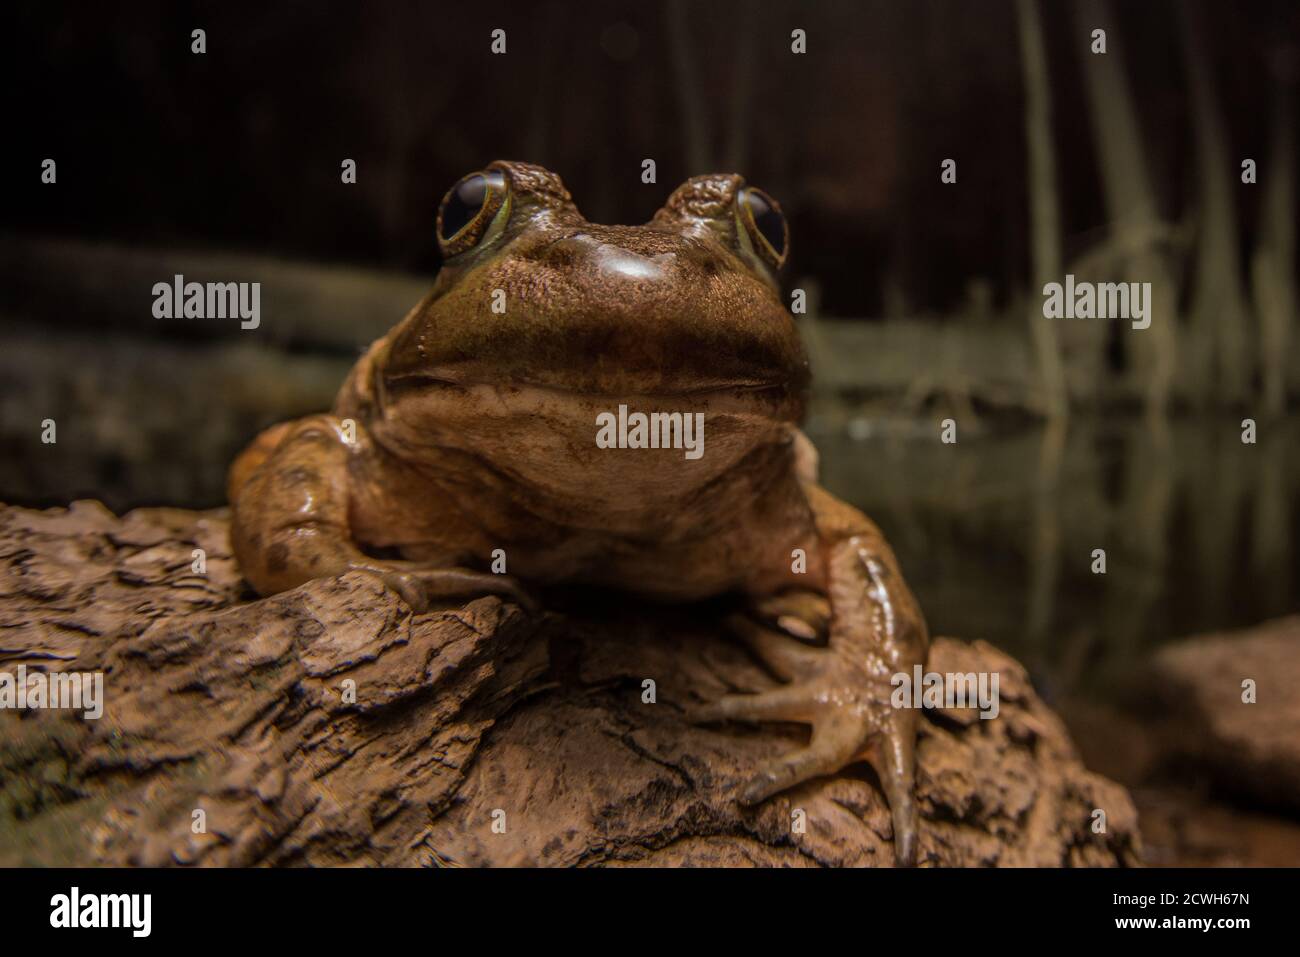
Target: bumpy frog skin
(472,427)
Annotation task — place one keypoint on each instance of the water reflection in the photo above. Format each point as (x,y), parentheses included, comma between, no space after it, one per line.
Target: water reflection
(997,532)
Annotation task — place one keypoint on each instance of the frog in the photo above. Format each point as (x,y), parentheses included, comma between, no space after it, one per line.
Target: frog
(461,458)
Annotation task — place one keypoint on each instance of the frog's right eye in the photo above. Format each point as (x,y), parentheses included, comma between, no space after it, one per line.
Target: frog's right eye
(470,209)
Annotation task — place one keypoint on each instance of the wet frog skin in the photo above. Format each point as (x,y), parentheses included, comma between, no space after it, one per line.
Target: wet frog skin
(471,427)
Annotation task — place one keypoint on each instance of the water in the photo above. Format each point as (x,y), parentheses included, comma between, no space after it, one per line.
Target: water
(996,533)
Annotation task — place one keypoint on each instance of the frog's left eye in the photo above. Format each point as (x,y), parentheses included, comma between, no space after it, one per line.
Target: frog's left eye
(469,210)
(764,225)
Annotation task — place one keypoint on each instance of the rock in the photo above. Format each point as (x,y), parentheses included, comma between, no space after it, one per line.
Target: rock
(1183,827)
(329,725)
(1248,749)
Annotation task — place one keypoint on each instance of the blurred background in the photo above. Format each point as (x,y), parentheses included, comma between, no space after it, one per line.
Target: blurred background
(925,296)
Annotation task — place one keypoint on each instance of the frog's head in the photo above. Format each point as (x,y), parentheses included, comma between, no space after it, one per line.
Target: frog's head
(532,294)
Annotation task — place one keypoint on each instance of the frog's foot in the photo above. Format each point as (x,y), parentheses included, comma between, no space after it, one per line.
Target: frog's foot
(420,584)
(291,520)
(843,689)
(851,717)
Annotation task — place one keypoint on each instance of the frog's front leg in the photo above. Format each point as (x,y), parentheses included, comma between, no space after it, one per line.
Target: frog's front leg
(843,689)
(291,497)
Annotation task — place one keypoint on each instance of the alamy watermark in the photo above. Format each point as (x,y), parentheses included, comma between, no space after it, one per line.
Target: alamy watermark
(1102,300)
(922,689)
(653,430)
(76,909)
(63,690)
(179,299)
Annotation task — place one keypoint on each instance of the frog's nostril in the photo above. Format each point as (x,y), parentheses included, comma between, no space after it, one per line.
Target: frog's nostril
(559,255)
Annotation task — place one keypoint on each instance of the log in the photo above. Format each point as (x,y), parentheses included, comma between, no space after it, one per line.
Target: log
(477,734)
(105,287)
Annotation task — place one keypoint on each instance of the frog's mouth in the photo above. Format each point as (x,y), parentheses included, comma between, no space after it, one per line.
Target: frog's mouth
(756,397)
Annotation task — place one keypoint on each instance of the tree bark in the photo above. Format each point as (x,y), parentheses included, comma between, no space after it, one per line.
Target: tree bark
(1130,200)
(1219,360)
(476,735)
(1274,262)
(1044,211)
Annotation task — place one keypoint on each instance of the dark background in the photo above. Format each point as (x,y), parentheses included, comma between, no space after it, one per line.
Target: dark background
(240,148)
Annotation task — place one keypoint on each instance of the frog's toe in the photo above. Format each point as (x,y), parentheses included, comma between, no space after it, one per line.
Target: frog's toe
(408,586)
(453,582)
(830,750)
(804,614)
(852,720)
(420,584)
(849,725)
(788,658)
(891,754)
(786,703)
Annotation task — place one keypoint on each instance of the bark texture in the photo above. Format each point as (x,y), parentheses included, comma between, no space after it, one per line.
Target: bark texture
(463,718)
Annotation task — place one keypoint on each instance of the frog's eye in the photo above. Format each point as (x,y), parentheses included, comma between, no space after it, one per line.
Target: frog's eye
(763,225)
(470,209)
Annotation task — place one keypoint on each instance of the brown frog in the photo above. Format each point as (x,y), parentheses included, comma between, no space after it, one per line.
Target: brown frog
(478,431)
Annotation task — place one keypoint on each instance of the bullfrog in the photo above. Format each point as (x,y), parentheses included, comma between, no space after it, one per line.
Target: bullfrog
(611,406)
